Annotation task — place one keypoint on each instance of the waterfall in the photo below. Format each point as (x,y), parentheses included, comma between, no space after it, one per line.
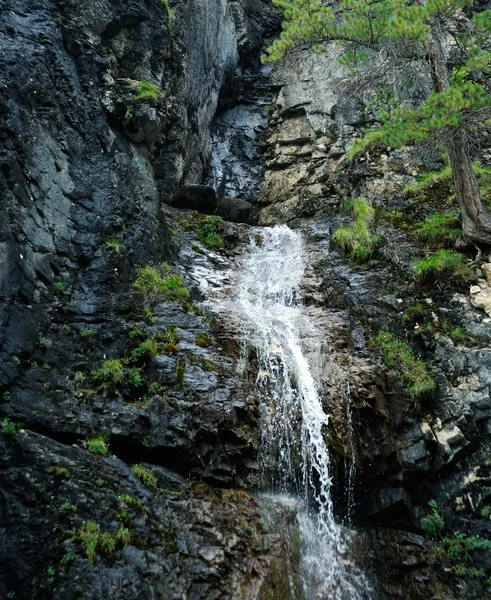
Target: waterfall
(295,459)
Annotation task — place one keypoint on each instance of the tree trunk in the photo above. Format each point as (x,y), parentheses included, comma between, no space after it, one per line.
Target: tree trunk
(476,217)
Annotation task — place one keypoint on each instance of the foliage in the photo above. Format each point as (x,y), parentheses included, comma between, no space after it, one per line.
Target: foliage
(412,371)
(169,338)
(146,91)
(97,542)
(204,340)
(110,374)
(59,473)
(459,551)
(146,349)
(113,245)
(44,342)
(162,282)
(58,287)
(135,377)
(414,314)
(180,369)
(68,507)
(439,264)
(356,238)
(146,476)
(134,503)
(15,359)
(209,233)
(98,445)
(87,333)
(11,428)
(439,228)
(170,13)
(433,523)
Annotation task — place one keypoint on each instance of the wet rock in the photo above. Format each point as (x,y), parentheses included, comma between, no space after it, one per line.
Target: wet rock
(234,209)
(196,197)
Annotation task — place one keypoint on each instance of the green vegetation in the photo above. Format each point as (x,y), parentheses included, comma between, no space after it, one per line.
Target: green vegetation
(10,428)
(59,473)
(67,559)
(98,445)
(429,180)
(412,371)
(356,238)
(170,13)
(162,282)
(15,359)
(204,340)
(146,91)
(58,287)
(143,351)
(113,245)
(44,342)
(146,476)
(180,369)
(134,503)
(439,229)
(110,374)
(87,333)
(96,542)
(68,507)
(458,103)
(169,338)
(433,523)
(135,377)
(438,265)
(209,233)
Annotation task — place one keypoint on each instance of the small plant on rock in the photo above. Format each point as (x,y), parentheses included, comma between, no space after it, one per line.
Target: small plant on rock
(169,338)
(113,245)
(412,371)
(204,340)
(110,374)
(10,428)
(98,445)
(146,476)
(440,264)
(146,91)
(433,523)
(356,239)
(162,282)
(58,287)
(209,233)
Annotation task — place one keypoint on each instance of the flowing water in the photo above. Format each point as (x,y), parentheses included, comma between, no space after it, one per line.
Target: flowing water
(295,459)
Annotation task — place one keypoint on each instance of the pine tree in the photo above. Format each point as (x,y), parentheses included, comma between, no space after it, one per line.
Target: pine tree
(459,102)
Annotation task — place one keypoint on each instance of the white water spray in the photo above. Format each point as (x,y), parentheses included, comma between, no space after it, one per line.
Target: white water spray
(295,457)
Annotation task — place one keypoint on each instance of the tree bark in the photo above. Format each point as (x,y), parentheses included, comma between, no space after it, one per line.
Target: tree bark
(476,217)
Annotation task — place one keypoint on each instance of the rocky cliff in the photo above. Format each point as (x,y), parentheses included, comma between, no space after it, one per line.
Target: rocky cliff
(130,440)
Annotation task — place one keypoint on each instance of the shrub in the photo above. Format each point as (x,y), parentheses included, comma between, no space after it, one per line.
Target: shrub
(412,371)
(162,282)
(439,264)
(146,476)
(356,239)
(146,91)
(98,445)
(110,374)
(433,523)
(439,228)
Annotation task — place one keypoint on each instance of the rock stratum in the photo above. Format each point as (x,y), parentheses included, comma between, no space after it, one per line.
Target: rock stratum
(135,478)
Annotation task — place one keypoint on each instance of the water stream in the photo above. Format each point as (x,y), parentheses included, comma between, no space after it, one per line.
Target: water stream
(295,459)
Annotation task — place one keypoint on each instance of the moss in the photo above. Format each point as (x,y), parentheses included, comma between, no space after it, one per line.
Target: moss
(169,338)
(209,233)
(87,333)
(59,473)
(163,283)
(97,542)
(68,507)
(134,503)
(143,351)
(412,371)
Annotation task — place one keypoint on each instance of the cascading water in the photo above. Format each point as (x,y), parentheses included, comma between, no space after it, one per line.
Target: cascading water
(295,459)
